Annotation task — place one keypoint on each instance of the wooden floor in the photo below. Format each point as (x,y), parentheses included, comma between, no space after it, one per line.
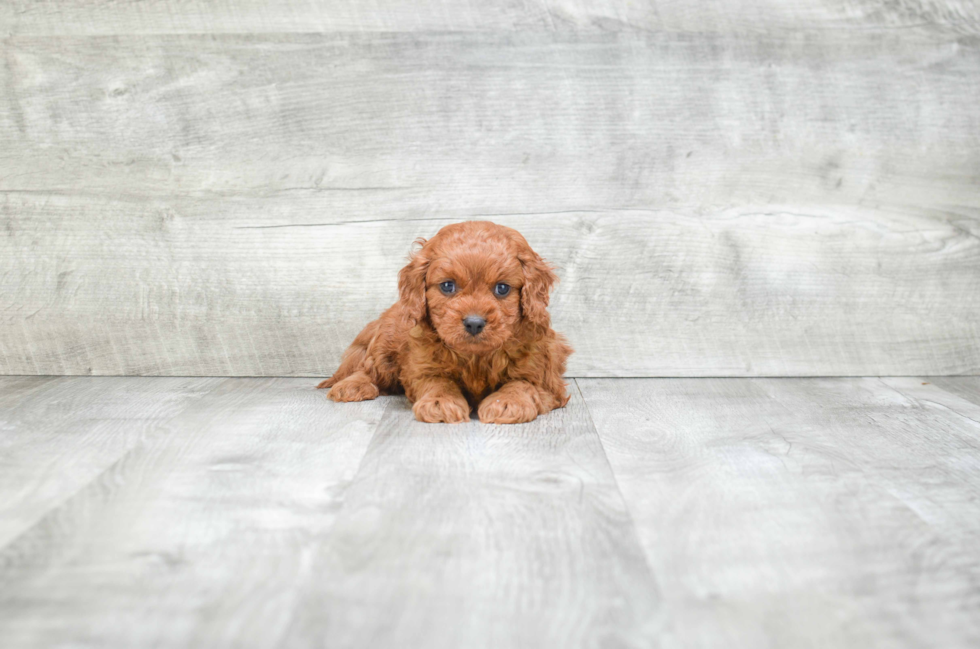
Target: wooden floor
(190,512)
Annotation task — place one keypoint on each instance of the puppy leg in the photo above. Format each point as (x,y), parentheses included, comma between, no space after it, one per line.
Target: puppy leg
(516,402)
(356,387)
(438,399)
(355,358)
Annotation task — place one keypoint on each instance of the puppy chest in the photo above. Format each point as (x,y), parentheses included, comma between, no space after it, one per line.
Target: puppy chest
(478,382)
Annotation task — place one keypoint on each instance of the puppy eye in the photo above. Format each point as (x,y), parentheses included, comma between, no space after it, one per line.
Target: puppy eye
(501,290)
(448,288)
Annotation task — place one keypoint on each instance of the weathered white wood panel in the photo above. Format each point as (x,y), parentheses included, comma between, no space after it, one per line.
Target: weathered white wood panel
(192,286)
(244,16)
(498,123)
(480,536)
(59,434)
(781,204)
(802,512)
(202,536)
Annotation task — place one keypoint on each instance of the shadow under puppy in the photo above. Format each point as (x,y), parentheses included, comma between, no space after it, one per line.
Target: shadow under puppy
(470,330)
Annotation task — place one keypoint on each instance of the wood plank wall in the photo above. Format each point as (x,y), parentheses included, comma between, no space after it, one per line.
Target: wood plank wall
(728,189)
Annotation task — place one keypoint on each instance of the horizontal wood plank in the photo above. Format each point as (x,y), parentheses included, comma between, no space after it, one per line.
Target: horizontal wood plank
(245,16)
(802,512)
(193,288)
(794,204)
(497,123)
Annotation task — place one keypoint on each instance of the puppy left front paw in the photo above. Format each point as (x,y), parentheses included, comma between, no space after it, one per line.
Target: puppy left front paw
(507,408)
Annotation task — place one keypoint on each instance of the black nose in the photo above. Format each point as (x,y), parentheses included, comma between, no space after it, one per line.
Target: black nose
(474,324)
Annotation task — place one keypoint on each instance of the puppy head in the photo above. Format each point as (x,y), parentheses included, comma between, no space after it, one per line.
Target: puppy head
(479,284)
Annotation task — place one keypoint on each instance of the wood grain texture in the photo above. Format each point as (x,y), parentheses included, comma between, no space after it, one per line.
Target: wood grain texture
(477,536)
(719,204)
(143,288)
(199,537)
(246,526)
(58,434)
(60,17)
(692,512)
(802,512)
(500,123)
(965,387)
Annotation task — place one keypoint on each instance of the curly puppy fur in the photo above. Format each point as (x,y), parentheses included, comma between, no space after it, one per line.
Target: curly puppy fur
(511,371)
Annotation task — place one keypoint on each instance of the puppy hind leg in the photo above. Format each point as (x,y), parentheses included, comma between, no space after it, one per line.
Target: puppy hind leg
(353,361)
(355,358)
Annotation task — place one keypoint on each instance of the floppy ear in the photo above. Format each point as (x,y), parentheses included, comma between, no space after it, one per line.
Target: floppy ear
(411,284)
(538,280)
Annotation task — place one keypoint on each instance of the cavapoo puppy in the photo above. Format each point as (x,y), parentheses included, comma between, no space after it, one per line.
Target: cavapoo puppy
(470,330)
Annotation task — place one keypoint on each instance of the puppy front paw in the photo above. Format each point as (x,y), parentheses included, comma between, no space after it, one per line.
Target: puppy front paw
(353,388)
(451,409)
(509,407)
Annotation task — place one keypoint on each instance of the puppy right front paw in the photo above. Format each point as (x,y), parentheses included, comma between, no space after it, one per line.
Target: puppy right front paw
(353,388)
(444,408)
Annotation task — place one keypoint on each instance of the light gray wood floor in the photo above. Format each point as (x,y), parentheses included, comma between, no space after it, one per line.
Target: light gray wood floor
(189,512)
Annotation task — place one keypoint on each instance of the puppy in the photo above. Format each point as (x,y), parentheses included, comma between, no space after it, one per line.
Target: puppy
(470,330)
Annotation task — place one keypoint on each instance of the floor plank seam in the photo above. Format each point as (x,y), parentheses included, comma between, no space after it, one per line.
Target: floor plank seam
(65,503)
(141,445)
(360,463)
(629,512)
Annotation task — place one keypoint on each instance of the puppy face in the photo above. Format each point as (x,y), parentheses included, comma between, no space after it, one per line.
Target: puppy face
(479,284)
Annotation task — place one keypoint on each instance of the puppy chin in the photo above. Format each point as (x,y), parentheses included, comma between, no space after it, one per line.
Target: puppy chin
(474,345)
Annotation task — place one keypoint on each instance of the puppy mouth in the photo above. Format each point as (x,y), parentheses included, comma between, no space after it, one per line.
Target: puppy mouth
(469,342)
